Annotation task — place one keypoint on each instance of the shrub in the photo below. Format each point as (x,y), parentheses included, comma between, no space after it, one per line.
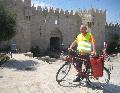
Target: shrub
(36,51)
(3,58)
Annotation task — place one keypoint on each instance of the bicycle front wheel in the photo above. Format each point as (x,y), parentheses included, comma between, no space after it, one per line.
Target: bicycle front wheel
(62,72)
(100,81)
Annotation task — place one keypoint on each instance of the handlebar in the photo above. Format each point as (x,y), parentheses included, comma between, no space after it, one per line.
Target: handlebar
(94,55)
(74,53)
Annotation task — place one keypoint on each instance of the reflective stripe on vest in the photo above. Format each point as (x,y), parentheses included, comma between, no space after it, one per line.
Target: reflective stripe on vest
(84,45)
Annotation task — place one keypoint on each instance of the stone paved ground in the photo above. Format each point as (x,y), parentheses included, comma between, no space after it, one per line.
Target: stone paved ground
(41,79)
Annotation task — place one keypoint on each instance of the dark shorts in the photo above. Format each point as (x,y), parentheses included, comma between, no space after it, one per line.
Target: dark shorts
(80,62)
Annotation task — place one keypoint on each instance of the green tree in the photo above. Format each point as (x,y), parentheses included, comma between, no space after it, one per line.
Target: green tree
(7,24)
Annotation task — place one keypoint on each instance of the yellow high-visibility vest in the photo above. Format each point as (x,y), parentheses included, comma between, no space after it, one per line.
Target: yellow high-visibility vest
(83,43)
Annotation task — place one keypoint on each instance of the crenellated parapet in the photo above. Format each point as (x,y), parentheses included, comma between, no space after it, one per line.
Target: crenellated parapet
(71,12)
(61,11)
(66,12)
(39,8)
(33,8)
(117,25)
(111,30)
(91,11)
(57,11)
(51,10)
(112,25)
(47,10)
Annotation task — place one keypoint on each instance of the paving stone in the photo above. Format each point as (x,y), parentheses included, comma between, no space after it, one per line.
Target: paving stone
(42,79)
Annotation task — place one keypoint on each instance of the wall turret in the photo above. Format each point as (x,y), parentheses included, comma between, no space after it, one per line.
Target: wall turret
(57,11)
(27,3)
(66,12)
(61,11)
(39,9)
(51,10)
(71,12)
(45,10)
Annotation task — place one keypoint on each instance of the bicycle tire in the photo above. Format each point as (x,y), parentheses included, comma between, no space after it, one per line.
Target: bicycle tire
(98,82)
(107,59)
(65,68)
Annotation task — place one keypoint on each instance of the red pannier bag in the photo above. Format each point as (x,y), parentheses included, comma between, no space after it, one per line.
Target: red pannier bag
(97,66)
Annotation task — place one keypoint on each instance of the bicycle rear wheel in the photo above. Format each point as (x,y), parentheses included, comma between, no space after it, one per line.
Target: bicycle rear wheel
(62,72)
(107,59)
(99,81)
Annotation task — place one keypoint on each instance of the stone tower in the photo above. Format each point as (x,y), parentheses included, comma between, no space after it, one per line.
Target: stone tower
(95,20)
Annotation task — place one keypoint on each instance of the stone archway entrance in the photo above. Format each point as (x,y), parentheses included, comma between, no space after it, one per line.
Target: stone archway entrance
(55,40)
(54,43)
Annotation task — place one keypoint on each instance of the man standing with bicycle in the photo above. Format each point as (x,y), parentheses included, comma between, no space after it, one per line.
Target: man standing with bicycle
(85,46)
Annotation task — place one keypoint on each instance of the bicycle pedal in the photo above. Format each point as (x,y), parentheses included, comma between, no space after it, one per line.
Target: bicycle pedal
(95,78)
(59,81)
(63,72)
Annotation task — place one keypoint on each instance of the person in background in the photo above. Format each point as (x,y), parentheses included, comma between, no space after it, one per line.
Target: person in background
(13,49)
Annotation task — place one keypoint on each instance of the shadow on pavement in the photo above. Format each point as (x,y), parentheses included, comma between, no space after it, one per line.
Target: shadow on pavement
(110,88)
(1,76)
(66,83)
(28,65)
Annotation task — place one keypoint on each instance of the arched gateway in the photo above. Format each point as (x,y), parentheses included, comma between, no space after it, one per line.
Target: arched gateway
(55,40)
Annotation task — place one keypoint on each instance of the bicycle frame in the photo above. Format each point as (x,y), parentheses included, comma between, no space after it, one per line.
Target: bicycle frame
(71,59)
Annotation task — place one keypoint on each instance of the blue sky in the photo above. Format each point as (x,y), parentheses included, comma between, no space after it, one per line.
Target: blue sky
(112,7)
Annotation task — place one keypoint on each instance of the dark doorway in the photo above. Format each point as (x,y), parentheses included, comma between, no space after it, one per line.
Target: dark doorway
(55,44)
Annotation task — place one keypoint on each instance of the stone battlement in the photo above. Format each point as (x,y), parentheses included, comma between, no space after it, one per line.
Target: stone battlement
(112,25)
(93,11)
(39,9)
(66,12)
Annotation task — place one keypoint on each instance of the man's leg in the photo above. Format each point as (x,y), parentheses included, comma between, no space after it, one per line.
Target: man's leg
(79,70)
(79,67)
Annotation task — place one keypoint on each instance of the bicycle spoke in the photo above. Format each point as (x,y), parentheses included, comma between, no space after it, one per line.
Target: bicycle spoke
(62,72)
